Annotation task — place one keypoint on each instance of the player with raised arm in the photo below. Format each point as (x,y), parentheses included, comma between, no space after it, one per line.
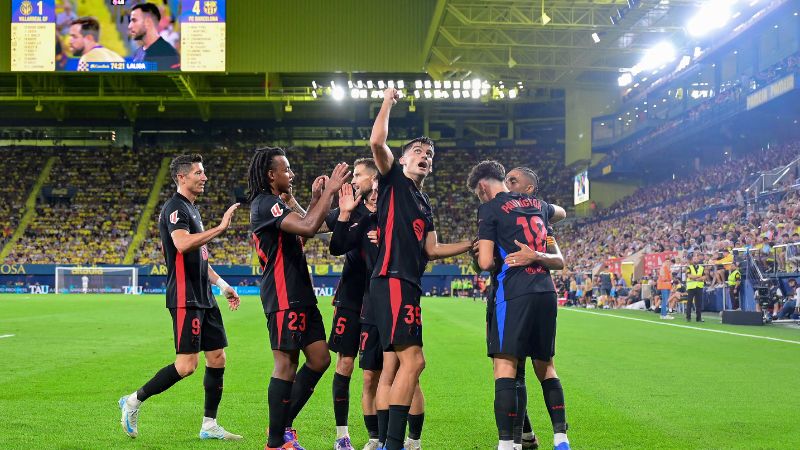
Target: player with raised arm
(523,320)
(196,318)
(408,241)
(287,295)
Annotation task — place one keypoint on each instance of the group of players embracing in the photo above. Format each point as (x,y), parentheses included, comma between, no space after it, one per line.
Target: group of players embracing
(385,229)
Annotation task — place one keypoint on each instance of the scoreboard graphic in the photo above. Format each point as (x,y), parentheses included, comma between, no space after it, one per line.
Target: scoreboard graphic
(45,37)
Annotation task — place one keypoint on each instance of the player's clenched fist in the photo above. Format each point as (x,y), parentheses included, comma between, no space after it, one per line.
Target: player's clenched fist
(391,95)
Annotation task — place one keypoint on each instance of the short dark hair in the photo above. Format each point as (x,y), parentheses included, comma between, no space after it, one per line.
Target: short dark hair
(89,26)
(182,164)
(485,170)
(148,8)
(368,162)
(257,181)
(421,140)
(530,173)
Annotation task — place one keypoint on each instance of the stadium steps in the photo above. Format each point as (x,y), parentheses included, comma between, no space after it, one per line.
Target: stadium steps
(147,213)
(30,207)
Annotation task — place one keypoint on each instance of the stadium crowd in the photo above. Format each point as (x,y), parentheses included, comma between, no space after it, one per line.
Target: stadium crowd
(19,166)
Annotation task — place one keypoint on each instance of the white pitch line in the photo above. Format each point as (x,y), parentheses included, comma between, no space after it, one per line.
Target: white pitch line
(682,326)
(6,335)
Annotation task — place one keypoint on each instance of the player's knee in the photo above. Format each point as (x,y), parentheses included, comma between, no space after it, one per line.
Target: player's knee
(216,359)
(417,363)
(320,362)
(370,380)
(345,365)
(186,368)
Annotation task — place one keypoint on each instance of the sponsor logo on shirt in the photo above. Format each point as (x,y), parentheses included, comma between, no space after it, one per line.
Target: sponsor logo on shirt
(419,227)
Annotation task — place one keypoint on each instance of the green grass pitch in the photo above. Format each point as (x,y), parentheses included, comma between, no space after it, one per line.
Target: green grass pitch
(628,383)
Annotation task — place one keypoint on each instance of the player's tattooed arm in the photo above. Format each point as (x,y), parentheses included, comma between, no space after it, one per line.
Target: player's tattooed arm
(559,214)
(436,250)
(292,203)
(187,242)
(526,256)
(380,132)
(310,225)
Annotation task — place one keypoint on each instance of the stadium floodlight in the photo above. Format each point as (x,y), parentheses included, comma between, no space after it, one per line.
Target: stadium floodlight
(314,84)
(447,84)
(337,93)
(416,93)
(354,93)
(401,84)
(456,94)
(437,93)
(428,93)
(512,93)
(712,16)
(661,53)
(596,38)
(390,83)
(418,84)
(427,84)
(476,93)
(350,84)
(457,84)
(467,84)
(484,91)
(437,84)
(314,94)
(369,84)
(381,84)
(465,94)
(362,93)
(625,79)
(359,84)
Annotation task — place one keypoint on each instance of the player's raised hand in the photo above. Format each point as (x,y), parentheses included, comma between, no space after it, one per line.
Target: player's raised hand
(347,198)
(227,217)
(287,196)
(318,186)
(338,177)
(525,256)
(233,298)
(391,95)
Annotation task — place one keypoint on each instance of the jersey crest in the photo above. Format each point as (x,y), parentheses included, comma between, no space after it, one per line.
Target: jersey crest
(173,218)
(276,210)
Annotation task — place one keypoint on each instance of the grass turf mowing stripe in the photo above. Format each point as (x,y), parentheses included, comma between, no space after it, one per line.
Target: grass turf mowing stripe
(659,322)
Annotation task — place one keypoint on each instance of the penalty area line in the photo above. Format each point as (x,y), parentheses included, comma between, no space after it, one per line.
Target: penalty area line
(788,341)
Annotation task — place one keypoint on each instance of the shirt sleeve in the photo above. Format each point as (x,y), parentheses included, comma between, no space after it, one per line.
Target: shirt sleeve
(332,218)
(345,237)
(178,219)
(487,223)
(269,213)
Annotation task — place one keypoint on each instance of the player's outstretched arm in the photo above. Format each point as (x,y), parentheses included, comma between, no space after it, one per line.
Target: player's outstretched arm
(309,225)
(436,250)
(558,215)
(225,288)
(526,256)
(380,132)
(486,254)
(186,242)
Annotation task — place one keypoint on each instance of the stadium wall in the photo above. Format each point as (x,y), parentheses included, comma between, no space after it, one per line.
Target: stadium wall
(605,193)
(373,36)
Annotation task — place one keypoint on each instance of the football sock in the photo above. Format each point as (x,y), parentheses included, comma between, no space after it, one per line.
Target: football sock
(162,381)
(522,404)
(505,407)
(396,431)
(279,399)
(371,423)
(415,422)
(341,398)
(212,383)
(554,399)
(303,387)
(383,425)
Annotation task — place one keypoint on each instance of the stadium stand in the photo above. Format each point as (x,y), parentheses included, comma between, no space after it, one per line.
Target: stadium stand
(20,166)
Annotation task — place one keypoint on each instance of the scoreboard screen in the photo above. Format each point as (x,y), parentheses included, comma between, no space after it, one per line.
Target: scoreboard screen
(118,35)
(581,187)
